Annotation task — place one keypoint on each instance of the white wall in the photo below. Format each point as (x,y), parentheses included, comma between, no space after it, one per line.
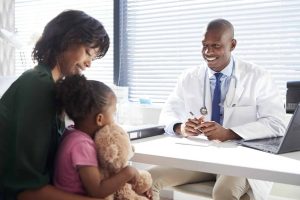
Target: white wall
(5,82)
(7,53)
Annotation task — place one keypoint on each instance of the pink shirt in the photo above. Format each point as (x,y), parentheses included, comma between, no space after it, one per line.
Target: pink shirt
(76,149)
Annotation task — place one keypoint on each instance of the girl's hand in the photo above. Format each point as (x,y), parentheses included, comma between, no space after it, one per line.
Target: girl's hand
(148,194)
(134,174)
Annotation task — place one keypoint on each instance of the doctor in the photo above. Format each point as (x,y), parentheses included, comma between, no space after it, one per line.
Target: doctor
(243,103)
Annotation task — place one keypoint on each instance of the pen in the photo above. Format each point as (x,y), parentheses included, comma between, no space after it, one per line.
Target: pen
(197,127)
(192,113)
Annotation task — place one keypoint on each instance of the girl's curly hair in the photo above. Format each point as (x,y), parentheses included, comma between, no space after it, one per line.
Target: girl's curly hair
(79,97)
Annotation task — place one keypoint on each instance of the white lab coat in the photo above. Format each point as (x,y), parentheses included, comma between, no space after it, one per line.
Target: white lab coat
(253,107)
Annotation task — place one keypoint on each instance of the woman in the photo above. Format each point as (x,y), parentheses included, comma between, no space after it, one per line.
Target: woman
(29,124)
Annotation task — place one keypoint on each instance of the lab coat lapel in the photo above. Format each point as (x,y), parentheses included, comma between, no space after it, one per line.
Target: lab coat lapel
(208,100)
(233,95)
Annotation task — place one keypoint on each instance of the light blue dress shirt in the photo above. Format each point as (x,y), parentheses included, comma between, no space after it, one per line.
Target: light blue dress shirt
(225,81)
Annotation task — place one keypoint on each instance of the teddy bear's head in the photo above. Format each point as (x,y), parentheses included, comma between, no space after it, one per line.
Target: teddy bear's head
(114,150)
(113,147)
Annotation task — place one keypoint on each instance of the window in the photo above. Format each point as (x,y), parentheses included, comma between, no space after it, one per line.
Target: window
(164,38)
(32,15)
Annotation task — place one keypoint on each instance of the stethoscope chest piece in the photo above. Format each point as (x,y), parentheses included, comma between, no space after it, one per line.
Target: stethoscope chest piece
(203,110)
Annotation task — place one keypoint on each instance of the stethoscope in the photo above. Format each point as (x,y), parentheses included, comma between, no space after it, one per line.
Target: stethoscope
(203,109)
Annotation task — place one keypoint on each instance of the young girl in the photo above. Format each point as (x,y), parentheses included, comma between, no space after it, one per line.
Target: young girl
(91,105)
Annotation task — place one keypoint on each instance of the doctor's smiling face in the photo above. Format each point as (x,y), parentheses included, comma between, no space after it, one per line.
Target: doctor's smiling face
(218,42)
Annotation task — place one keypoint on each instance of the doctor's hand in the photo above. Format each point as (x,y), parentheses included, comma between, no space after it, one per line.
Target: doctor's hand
(214,131)
(189,127)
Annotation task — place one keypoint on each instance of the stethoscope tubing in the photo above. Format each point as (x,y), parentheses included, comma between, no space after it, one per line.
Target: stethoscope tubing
(203,109)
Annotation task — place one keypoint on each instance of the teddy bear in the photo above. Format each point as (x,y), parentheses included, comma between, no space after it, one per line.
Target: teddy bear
(114,150)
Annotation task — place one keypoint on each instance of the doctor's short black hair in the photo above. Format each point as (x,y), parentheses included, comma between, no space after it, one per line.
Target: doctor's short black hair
(68,28)
(79,97)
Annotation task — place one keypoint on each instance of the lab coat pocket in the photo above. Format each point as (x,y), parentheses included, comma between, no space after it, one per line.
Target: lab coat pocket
(241,115)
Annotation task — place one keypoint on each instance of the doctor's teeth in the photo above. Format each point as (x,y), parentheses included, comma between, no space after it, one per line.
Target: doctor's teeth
(210,59)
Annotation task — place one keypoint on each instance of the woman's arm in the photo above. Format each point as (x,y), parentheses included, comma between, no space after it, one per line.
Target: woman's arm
(50,192)
(95,187)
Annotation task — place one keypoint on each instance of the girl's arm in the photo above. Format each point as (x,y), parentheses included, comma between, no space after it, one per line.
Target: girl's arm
(95,187)
(50,192)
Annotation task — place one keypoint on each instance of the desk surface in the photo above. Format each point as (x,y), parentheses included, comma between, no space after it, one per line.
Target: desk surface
(226,158)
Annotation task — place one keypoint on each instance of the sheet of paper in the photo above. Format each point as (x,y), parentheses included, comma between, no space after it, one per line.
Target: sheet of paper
(199,140)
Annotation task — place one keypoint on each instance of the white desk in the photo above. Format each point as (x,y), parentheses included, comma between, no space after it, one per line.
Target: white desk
(226,158)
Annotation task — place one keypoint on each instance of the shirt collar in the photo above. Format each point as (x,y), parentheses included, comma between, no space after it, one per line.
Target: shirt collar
(227,71)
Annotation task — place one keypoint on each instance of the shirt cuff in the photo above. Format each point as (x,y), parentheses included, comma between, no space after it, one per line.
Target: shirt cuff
(169,129)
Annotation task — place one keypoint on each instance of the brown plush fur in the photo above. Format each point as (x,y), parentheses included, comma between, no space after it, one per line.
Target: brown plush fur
(114,151)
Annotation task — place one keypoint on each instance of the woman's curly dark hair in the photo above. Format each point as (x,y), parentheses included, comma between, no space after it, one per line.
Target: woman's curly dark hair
(79,97)
(68,28)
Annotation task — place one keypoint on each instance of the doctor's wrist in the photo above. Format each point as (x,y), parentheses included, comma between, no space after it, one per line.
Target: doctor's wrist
(232,135)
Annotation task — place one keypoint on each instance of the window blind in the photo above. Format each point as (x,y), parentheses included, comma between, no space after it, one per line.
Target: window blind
(31,16)
(164,38)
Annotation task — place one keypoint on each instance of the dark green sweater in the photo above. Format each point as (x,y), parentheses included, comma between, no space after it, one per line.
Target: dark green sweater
(29,132)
